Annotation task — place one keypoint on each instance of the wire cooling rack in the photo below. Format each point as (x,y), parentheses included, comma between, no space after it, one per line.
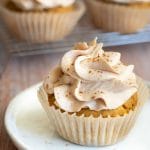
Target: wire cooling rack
(83,31)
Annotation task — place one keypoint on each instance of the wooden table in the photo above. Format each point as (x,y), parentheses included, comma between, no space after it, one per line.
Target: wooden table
(22,72)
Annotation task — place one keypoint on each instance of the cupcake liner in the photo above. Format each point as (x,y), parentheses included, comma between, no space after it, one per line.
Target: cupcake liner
(92,131)
(43,26)
(115,17)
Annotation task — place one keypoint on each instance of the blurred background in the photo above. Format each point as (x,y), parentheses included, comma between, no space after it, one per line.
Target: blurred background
(34,37)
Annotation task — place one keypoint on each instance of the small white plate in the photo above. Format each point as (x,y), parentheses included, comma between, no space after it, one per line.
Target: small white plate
(29,128)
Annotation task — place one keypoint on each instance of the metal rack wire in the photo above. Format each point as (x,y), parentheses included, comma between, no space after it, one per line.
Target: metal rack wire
(83,31)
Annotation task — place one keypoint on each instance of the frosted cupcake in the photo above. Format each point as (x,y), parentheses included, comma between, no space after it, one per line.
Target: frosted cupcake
(42,20)
(124,16)
(92,97)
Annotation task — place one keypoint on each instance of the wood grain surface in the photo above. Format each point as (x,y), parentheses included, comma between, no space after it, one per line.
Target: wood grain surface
(22,72)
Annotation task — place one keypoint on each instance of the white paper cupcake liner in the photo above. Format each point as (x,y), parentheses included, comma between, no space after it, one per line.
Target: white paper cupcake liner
(43,26)
(92,131)
(115,17)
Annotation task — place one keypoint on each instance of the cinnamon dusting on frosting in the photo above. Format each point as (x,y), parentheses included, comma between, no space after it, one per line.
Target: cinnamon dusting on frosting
(93,78)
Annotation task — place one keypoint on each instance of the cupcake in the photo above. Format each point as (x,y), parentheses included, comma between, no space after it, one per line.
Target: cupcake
(42,21)
(124,16)
(92,98)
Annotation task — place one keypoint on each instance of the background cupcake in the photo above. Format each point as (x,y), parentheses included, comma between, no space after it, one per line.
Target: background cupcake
(42,21)
(124,16)
(92,97)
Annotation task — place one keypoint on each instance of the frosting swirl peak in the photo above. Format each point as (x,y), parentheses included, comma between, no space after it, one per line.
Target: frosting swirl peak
(90,77)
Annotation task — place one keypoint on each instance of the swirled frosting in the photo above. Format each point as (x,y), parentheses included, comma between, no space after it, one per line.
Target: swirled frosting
(41,4)
(90,77)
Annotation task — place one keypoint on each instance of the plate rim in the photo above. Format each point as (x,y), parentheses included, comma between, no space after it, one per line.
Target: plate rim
(16,141)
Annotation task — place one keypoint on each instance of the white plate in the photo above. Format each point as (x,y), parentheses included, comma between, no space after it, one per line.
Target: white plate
(29,128)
